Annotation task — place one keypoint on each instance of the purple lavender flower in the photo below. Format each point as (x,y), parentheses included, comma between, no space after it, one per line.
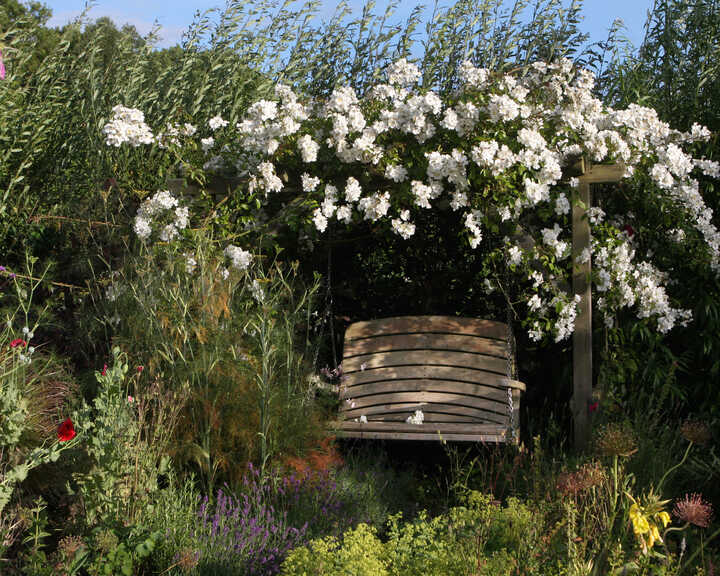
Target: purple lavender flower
(252,532)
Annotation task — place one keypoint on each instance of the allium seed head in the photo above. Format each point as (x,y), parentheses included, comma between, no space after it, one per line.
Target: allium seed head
(616,440)
(693,510)
(696,432)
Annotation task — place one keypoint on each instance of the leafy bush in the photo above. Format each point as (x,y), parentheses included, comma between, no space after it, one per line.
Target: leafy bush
(483,536)
(33,392)
(358,553)
(235,336)
(125,448)
(250,530)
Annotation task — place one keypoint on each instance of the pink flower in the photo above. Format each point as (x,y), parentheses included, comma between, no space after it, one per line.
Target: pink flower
(592,407)
(104,370)
(140,369)
(2,67)
(131,399)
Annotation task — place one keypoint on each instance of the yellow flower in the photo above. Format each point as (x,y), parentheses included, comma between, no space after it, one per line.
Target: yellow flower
(647,520)
(653,537)
(665,517)
(639,521)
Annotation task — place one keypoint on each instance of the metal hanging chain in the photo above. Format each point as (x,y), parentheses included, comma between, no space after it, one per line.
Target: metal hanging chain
(329,299)
(510,354)
(328,313)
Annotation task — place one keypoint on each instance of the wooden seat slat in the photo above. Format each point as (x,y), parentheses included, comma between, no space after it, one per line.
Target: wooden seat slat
(370,375)
(449,386)
(461,343)
(431,397)
(410,407)
(424,358)
(440,324)
(500,437)
(405,409)
(440,417)
(450,427)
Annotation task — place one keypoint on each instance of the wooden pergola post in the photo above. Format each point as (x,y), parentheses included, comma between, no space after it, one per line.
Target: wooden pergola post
(582,336)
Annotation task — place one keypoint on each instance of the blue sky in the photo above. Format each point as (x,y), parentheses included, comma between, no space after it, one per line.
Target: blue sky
(175,16)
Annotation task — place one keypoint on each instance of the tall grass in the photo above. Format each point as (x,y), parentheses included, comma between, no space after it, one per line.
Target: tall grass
(53,156)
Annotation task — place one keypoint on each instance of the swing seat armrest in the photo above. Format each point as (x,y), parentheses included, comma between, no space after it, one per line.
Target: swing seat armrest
(516,385)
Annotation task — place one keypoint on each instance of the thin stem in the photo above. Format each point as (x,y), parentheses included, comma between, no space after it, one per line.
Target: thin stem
(615,481)
(687,451)
(700,550)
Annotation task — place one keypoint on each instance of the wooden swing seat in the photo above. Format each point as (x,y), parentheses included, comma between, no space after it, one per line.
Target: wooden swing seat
(455,370)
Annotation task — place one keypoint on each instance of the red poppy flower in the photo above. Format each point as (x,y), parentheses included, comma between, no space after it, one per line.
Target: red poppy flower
(66,431)
(104,370)
(140,369)
(18,342)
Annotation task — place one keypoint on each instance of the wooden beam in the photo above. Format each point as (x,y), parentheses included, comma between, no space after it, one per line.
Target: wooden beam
(582,336)
(603,173)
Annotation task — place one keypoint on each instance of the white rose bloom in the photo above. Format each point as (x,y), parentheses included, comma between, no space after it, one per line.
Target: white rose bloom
(352,190)
(142,228)
(320,220)
(308,148)
(416,418)
(168,233)
(207,143)
(562,205)
(403,228)
(535,303)
(309,183)
(190,263)
(344,214)
(240,259)
(396,173)
(217,122)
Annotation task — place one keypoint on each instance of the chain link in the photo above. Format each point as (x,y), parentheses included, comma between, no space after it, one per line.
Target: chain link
(510,374)
(327,316)
(510,355)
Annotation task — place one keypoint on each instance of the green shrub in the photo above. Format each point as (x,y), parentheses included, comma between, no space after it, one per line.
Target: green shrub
(33,391)
(482,535)
(239,340)
(124,449)
(357,553)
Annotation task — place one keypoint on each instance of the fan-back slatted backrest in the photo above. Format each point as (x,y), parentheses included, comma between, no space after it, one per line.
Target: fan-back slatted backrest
(454,370)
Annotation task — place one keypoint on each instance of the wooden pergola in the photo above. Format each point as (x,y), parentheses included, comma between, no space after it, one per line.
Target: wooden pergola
(588,174)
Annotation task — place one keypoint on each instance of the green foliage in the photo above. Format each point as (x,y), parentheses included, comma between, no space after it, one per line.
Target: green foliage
(225,371)
(175,517)
(675,70)
(17,17)
(358,553)
(115,555)
(124,449)
(482,535)
(29,406)
(238,345)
